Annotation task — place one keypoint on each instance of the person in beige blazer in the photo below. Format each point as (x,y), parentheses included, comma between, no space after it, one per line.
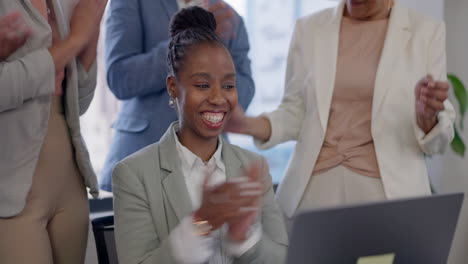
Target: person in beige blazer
(366,99)
(193,197)
(46,84)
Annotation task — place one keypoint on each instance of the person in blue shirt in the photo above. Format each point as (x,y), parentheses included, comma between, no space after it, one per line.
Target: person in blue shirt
(137,38)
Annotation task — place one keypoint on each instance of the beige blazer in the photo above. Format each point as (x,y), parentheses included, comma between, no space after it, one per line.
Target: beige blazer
(26,84)
(151,197)
(414,46)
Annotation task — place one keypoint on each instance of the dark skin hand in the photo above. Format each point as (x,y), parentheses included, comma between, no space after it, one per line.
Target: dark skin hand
(235,203)
(240,225)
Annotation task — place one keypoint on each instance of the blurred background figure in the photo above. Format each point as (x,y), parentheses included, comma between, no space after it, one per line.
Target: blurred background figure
(46,84)
(365,98)
(137,37)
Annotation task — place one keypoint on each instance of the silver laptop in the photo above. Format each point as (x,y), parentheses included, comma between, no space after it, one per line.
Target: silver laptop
(413,231)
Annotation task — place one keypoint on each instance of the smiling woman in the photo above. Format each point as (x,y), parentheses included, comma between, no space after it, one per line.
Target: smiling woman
(202,84)
(205,93)
(205,200)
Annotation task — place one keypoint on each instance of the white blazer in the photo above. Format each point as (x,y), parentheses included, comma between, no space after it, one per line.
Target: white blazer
(414,46)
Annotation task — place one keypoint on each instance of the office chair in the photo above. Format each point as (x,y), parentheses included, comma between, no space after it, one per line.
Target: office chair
(103,229)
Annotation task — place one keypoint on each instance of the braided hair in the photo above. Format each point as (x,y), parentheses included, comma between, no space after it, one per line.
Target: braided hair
(189,27)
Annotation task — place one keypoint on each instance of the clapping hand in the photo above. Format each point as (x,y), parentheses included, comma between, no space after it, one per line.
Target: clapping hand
(13,34)
(235,202)
(430,97)
(239,226)
(226,17)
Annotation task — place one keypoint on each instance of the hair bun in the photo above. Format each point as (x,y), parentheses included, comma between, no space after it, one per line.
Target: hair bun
(191,18)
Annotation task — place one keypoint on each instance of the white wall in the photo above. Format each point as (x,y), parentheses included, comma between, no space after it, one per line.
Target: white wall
(454,172)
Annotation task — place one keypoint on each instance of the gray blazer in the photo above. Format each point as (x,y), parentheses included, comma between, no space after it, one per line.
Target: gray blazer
(26,84)
(150,198)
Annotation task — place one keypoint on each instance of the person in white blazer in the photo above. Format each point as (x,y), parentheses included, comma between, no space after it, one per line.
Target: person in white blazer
(409,115)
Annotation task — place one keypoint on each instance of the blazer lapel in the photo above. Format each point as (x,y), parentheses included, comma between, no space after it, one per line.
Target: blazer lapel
(170,6)
(60,18)
(231,161)
(325,58)
(34,13)
(174,184)
(398,34)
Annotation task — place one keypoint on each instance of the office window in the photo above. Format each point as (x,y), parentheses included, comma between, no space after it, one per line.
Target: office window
(269,41)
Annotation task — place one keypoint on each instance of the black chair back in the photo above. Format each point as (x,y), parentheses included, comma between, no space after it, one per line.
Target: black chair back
(103,229)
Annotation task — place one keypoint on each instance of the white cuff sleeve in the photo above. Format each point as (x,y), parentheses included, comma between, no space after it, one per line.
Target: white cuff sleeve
(425,138)
(187,247)
(238,249)
(274,137)
(439,137)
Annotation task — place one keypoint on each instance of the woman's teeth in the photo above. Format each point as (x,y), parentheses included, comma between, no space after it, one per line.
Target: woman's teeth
(213,117)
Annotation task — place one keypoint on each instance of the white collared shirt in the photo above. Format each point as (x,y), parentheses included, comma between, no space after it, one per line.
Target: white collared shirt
(188,248)
(195,170)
